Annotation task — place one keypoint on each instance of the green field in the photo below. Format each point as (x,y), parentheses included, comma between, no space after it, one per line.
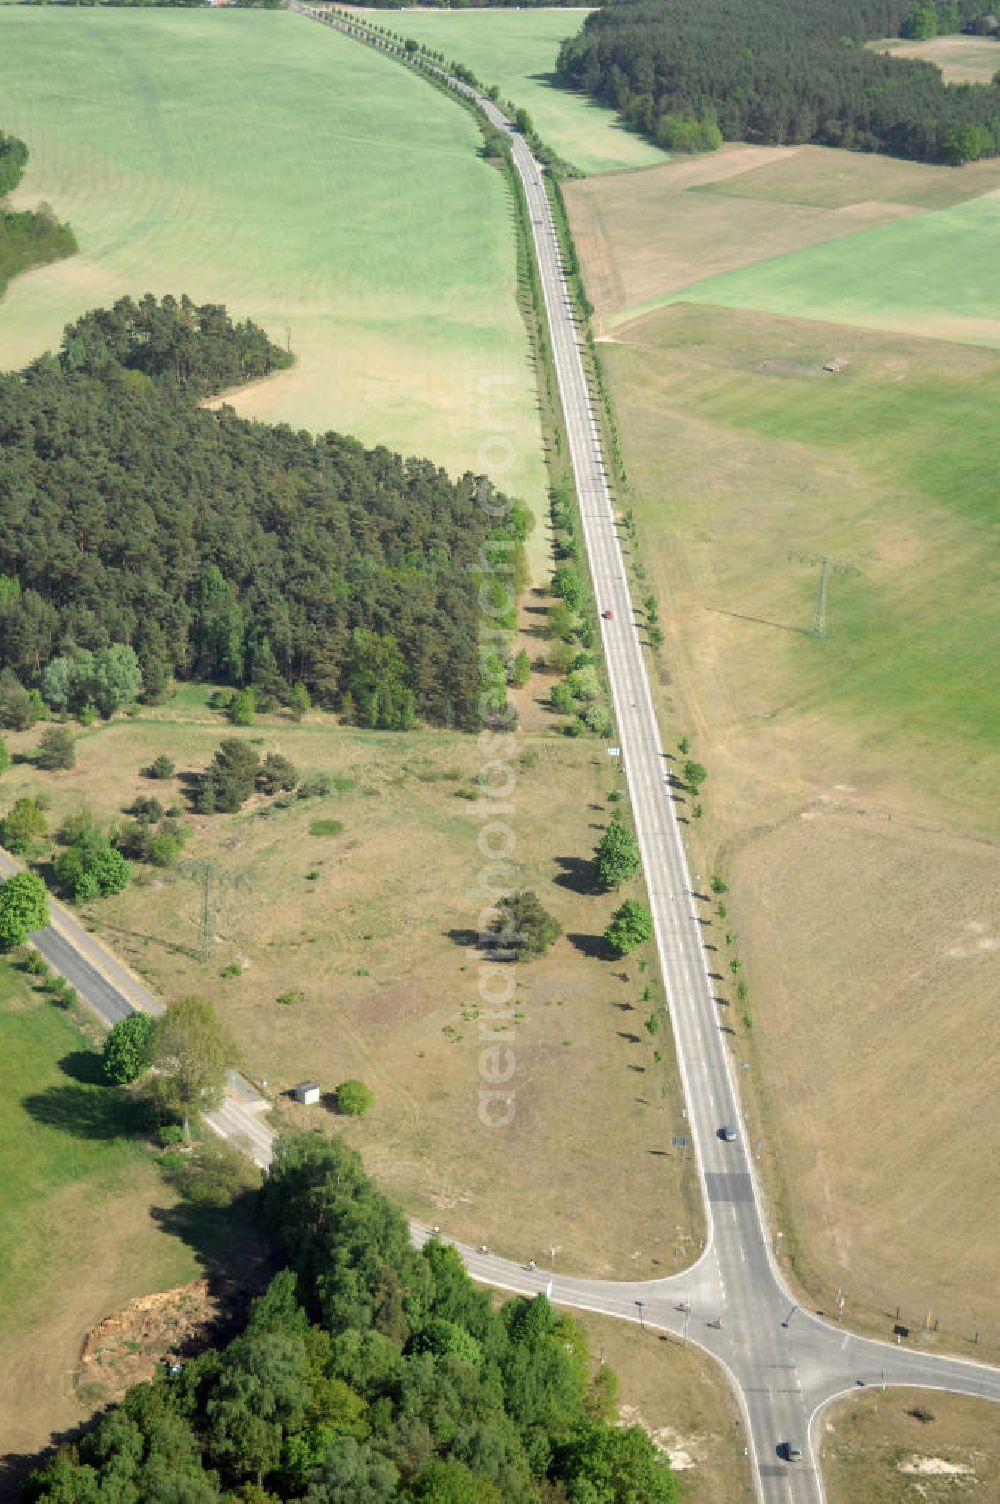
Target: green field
(517,49)
(891,464)
(934,274)
(260,161)
(76,1229)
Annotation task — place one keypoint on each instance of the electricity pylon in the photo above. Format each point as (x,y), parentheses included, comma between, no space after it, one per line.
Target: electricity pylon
(827,565)
(208,873)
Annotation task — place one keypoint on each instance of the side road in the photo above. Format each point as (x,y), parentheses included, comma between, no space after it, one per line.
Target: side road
(112,991)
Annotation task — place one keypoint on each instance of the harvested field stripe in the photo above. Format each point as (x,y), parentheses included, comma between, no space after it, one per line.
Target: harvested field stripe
(934,275)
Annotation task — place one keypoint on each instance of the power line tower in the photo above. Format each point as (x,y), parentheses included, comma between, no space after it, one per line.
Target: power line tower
(827,566)
(211,878)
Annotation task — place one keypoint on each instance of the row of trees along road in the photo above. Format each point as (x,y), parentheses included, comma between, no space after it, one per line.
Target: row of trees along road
(367,1373)
(144,537)
(693,72)
(189,1051)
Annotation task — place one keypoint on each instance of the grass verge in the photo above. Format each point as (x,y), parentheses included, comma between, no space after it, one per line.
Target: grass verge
(681,1397)
(910,1446)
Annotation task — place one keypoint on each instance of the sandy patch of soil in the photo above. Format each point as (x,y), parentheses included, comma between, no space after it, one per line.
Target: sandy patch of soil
(934,1467)
(127,1347)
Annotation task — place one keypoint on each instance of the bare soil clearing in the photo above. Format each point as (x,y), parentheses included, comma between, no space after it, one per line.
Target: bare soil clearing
(130,1346)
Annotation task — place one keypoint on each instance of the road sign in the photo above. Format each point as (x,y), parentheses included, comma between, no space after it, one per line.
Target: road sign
(614,751)
(679,1141)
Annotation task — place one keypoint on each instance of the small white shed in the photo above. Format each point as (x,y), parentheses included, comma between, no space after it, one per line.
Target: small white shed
(307,1092)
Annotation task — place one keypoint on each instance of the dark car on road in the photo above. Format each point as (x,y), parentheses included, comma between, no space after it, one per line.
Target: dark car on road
(728,1133)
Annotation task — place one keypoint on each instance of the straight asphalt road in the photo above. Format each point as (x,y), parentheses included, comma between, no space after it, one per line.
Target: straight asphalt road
(783,1362)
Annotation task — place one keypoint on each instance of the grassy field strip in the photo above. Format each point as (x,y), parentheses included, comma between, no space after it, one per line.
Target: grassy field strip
(898,277)
(378,950)
(73,1179)
(652,236)
(236,157)
(517,49)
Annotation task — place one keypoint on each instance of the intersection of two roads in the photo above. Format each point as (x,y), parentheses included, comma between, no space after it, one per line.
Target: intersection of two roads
(784,1362)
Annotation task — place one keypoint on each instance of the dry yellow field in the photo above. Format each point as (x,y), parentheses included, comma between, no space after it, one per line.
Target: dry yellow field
(962,59)
(375,928)
(852,792)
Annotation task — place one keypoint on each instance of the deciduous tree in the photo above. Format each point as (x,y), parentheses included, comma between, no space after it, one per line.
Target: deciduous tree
(523,927)
(617,856)
(24,908)
(243,707)
(277,774)
(605,1465)
(23,824)
(128,1049)
(229,781)
(56,749)
(354,1098)
(631,926)
(694,775)
(191,1054)
(299,701)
